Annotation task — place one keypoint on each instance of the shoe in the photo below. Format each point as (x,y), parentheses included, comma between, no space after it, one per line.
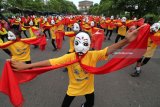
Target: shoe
(55,49)
(135,74)
(35,46)
(65,70)
(82,105)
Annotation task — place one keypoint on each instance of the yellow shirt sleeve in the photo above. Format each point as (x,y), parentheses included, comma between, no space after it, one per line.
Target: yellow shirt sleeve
(62,60)
(122,30)
(150,50)
(101,54)
(5,43)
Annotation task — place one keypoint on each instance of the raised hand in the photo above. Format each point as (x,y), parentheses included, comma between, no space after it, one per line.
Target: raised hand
(132,33)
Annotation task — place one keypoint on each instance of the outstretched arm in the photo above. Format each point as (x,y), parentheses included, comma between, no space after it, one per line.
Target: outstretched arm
(18,65)
(130,36)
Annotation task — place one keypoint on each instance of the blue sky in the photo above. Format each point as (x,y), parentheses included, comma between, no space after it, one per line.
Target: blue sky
(76,1)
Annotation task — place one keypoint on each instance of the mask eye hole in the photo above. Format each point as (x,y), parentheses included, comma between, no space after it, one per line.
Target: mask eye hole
(85,44)
(76,43)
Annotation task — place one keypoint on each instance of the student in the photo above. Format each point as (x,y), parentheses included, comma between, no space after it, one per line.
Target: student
(110,27)
(80,82)
(18,49)
(53,35)
(122,29)
(150,51)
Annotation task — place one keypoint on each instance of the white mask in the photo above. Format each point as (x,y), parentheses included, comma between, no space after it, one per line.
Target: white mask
(82,43)
(45,19)
(112,17)
(87,20)
(59,18)
(31,23)
(155,27)
(103,18)
(11,36)
(13,17)
(19,19)
(92,23)
(52,22)
(76,27)
(135,19)
(123,19)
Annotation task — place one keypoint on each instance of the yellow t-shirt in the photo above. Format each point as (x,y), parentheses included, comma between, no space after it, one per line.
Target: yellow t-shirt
(110,27)
(70,25)
(71,40)
(150,49)
(36,20)
(71,44)
(52,30)
(61,27)
(122,30)
(80,82)
(31,32)
(20,51)
(3,32)
(87,26)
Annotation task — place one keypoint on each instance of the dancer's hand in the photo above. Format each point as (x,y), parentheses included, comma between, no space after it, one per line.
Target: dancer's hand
(18,65)
(132,33)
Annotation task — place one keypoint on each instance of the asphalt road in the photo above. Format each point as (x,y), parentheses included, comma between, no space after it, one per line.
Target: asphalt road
(116,89)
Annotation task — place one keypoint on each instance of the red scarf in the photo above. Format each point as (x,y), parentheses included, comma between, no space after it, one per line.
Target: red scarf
(135,50)
(59,38)
(41,41)
(97,38)
(9,81)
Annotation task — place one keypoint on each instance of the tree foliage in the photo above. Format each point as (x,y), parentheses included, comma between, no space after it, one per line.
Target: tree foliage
(59,6)
(118,7)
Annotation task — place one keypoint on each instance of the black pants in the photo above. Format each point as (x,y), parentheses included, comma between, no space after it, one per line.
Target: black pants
(3,37)
(89,100)
(47,30)
(25,33)
(69,29)
(7,52)
(118,37)
(15,27)
(144,60)
(110,33)
(53,43)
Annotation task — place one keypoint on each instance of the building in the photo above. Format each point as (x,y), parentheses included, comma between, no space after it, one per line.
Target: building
(84,6)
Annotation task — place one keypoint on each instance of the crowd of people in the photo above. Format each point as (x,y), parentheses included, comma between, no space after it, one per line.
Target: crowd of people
(86,34)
